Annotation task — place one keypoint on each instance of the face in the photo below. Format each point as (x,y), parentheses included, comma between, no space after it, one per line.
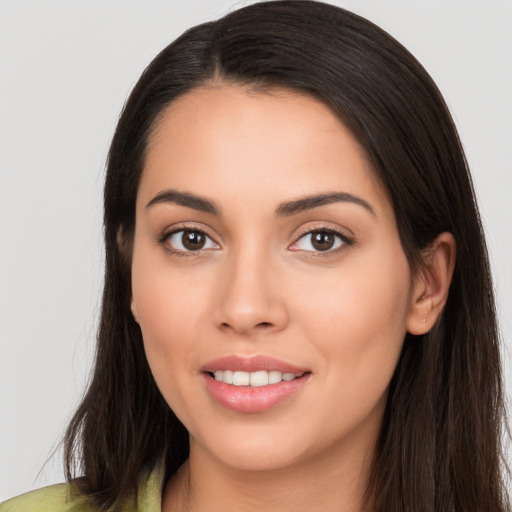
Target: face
(268,278)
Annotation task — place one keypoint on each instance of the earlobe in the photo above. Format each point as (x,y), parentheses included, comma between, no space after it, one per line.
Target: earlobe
(135,313)
(431,286)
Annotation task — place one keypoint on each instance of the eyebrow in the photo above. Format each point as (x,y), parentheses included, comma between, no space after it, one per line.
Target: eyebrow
(185,199)
(314,201)
(284,209)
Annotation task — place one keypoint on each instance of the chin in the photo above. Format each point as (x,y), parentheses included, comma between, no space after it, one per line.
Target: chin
(258,460)
(259,448)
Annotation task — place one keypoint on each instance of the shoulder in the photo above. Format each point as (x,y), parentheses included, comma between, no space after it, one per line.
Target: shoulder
(55,498)
(66,497)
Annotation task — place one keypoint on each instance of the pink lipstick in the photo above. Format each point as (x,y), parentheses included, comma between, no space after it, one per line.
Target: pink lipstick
(253,384)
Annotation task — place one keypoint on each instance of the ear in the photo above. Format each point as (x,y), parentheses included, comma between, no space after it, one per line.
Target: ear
(135,312)
(431,284)
(125,245)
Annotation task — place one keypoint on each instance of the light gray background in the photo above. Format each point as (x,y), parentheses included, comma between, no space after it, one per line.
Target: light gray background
(66,68)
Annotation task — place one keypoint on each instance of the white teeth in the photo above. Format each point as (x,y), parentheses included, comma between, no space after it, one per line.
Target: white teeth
(274,377)
(240,378)
(253,379)
(257,379)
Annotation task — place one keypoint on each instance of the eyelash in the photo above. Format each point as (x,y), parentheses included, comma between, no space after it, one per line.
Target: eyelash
(166,236)
(344,239)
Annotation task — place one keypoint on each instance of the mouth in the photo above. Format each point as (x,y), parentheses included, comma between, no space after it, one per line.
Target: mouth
(254,384)
(254,379)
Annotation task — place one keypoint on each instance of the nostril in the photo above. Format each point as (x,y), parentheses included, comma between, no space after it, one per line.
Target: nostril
(261,324)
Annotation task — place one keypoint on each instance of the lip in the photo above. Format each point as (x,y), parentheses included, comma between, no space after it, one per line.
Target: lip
(245,399)
(251,364)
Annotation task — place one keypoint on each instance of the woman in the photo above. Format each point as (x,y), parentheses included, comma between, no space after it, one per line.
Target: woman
(297,308)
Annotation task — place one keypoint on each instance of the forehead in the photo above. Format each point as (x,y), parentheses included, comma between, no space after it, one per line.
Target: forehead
(235,142)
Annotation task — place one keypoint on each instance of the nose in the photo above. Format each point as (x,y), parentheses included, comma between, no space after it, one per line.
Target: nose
(250,298)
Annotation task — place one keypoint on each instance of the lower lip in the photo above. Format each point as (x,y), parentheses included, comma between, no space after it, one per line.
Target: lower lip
(253,399)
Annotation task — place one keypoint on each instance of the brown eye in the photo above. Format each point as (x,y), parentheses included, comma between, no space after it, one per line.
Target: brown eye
(189,240)
(320,241)
(193,240)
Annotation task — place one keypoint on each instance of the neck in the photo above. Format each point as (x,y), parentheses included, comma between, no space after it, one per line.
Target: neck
(329,481)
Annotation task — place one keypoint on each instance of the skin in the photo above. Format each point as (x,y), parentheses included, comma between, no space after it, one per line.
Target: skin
(259,287)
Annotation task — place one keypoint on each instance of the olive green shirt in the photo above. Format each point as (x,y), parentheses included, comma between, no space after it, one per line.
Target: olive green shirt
(62,498)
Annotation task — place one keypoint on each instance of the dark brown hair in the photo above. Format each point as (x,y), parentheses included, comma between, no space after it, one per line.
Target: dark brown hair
(439,447)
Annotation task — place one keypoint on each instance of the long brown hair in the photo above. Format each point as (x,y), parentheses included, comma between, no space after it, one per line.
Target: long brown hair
(439,446)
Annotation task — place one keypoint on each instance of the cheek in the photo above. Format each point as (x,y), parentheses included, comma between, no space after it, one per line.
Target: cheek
(168,297)
(370,294)
(169,309)
(358,321)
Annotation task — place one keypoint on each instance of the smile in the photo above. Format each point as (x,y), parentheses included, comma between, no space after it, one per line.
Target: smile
(253,384)
(253,379)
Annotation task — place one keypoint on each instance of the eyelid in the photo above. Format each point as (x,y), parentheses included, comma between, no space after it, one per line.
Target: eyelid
(346,240)
(167,233)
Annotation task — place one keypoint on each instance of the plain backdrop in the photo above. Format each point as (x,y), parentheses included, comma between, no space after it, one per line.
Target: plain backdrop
(66,67)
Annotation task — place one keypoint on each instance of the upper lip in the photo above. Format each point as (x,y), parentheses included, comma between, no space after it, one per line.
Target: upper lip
(251,364)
